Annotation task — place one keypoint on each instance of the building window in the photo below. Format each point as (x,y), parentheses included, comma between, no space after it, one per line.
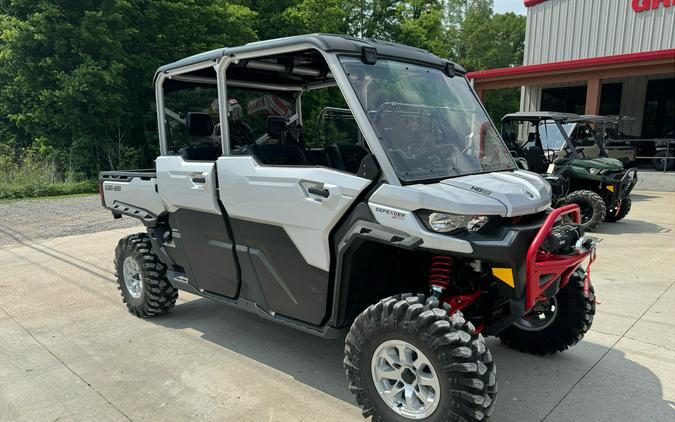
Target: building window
(568,99)
(610,99)
(659,116)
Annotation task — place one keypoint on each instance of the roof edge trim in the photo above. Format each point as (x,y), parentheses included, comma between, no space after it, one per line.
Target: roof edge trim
(571,64)
(530,3)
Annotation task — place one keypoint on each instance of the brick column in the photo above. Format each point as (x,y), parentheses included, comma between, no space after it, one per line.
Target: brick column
(593,96)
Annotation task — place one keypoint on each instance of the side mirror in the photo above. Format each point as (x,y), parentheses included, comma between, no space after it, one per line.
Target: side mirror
(522,163)
(368,168)
(199,124)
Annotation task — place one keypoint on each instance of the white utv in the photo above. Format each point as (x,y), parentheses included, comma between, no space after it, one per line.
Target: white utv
(402,221)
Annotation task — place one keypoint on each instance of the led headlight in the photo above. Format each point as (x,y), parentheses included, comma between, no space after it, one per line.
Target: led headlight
(477,223)
(596,171)
(442,222)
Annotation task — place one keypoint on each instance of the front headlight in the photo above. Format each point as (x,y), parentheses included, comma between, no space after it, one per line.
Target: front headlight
(445,223)
(596,171)
(442,222)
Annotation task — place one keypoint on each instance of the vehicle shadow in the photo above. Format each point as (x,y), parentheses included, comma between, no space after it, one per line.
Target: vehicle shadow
(530,387)
(642,197)
(627,226)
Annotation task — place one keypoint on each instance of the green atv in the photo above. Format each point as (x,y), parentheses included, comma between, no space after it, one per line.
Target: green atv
(542,142)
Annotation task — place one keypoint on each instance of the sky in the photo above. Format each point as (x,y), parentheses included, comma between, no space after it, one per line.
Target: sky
(516,6)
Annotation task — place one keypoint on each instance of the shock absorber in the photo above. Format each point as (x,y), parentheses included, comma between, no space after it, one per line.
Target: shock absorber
(439,274)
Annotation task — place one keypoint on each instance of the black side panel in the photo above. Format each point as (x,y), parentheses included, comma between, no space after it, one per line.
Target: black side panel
(288,285)
(209,250)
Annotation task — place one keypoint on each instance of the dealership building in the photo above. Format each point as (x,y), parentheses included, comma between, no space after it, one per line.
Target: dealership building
(597,57)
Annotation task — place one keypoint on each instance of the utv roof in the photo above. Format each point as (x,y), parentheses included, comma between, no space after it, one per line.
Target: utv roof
(325,42)
(543,115)
(592,118)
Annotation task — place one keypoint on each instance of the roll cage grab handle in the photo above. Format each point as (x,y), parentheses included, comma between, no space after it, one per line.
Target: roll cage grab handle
(539,263)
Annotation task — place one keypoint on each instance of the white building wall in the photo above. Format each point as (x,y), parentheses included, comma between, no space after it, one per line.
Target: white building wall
(559,30)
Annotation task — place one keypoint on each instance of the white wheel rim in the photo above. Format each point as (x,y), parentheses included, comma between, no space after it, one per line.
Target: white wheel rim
(132,277)
(405,379)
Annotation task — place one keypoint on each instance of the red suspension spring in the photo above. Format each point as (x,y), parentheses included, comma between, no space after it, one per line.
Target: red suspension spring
(439,272)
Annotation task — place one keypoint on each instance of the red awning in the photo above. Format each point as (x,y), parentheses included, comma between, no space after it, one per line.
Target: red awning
(579,64)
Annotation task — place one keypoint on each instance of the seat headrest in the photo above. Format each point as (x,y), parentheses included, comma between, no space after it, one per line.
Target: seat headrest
(274,126)
(199,124)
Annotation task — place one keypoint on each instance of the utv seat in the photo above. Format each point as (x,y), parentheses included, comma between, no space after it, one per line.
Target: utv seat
(536,160)
(346,157)
(318,157)
(278,154)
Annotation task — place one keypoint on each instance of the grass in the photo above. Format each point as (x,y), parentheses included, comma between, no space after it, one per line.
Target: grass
(40,198)
(15,191)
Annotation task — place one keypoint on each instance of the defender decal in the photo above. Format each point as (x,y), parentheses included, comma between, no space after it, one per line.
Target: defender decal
(396,215)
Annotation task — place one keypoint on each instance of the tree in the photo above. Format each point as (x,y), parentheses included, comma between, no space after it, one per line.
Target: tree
(75,76)
(310,16)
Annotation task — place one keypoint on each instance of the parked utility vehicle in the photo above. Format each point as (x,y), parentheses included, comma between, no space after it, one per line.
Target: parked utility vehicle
(599,186)
(414,227)
(590,136)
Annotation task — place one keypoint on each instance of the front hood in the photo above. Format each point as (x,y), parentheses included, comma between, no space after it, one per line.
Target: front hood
(604,163)
(506,194)
(521,192)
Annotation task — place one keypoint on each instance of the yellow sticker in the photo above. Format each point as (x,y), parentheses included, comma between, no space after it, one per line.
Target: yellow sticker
(505,275)
(610,188)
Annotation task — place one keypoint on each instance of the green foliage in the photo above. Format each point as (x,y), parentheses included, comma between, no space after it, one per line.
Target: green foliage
(17,191)
(500,102)
(29,175)
(75,76)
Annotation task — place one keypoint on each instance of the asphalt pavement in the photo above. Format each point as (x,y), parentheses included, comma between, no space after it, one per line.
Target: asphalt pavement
(70,351)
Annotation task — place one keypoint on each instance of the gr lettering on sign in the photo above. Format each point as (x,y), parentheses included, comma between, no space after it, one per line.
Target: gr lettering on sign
(644,5)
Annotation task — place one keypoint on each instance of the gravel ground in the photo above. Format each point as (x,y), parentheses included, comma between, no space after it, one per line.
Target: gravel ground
(36,219)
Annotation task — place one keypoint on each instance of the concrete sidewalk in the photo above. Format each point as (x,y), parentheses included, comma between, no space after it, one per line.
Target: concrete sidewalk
(69,350)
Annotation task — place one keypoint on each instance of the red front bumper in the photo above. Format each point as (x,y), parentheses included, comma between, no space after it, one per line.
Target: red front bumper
(543,268)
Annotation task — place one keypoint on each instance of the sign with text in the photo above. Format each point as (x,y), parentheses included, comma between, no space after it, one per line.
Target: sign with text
(644,5)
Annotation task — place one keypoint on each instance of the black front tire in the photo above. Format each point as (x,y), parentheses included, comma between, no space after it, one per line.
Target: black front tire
(156,296)
(593,208)
(466,371)
(612,214)
(573,319)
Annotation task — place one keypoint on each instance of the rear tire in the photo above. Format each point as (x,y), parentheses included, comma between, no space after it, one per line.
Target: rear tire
(593,209)
(571,321)
(660,162)
(141,278)
(612,215)
(457,369)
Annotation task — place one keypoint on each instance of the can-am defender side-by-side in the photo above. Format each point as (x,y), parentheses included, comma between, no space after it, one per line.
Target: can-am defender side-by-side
(552,144)
(412,231)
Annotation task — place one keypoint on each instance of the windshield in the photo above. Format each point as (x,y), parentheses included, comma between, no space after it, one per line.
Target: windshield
(551,137)
(431,126)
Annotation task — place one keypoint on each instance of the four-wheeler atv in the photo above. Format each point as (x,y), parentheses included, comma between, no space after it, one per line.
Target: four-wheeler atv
(415,236)
(599,186)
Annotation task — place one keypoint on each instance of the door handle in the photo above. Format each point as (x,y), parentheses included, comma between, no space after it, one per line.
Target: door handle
(324,193)
(198,178)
